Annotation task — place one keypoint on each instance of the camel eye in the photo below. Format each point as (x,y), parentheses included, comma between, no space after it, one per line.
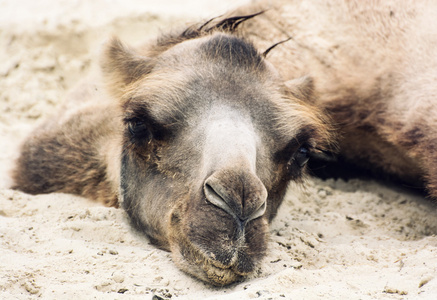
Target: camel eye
(301,156)
(139,131)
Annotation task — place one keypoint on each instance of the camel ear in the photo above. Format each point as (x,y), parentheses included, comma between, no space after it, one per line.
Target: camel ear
(301,88)
(122,66)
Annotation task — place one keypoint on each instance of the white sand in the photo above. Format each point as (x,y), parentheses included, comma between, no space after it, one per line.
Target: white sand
(335,240)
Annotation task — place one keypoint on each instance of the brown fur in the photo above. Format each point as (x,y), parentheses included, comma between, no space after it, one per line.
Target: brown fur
(202,194)
(69,153)
(374,68)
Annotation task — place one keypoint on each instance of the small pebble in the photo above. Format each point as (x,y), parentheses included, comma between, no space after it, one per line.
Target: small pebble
(118,277)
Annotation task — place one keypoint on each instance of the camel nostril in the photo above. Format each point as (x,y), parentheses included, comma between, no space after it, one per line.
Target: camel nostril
(259,212)
(243,206)
(213,193)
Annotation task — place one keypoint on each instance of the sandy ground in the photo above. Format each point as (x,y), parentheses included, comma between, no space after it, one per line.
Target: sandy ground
(333,240)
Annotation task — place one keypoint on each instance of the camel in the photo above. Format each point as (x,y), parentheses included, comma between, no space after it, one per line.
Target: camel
(197,135)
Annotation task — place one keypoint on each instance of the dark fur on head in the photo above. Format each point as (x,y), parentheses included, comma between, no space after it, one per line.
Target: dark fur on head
(227,25)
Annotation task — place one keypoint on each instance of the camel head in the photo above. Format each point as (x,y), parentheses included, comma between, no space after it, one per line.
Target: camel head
(212,137)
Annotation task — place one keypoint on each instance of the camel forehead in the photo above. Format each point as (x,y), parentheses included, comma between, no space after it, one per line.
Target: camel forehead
(183,100)
(195,74)
(217,70)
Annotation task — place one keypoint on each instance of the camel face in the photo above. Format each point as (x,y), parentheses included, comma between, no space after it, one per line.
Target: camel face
(206,158)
